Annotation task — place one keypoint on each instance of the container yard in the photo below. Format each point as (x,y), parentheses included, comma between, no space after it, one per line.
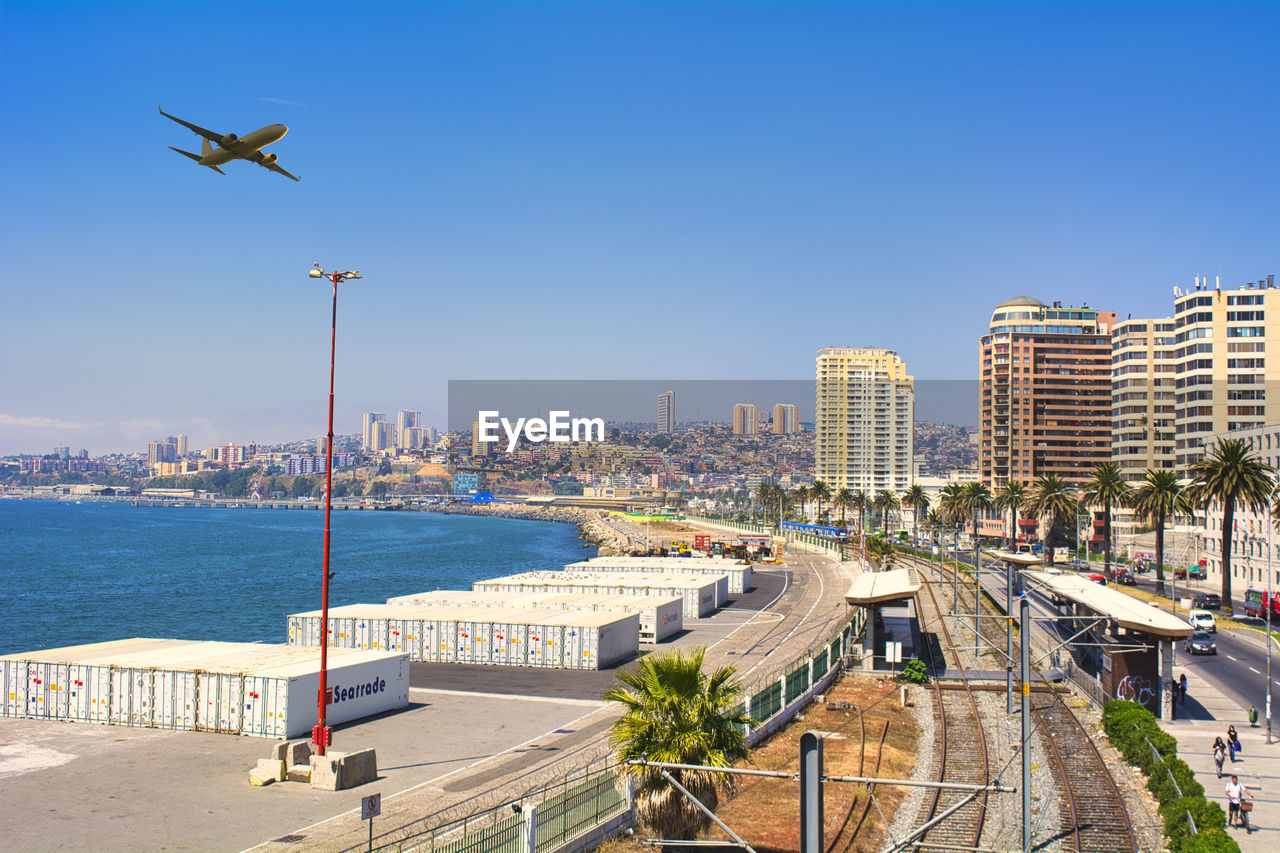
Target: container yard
(661,616)
(234,688)
(739,574)
(562,639)
(701,594)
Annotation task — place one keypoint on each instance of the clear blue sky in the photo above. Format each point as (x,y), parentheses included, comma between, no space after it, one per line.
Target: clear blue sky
(592,190)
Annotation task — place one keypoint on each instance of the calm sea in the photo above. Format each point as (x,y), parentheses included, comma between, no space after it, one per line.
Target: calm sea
(75,573)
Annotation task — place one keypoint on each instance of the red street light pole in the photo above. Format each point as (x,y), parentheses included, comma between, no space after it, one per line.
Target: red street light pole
(321,735)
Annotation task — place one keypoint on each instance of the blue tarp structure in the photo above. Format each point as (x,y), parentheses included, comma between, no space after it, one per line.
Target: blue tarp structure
(483,498)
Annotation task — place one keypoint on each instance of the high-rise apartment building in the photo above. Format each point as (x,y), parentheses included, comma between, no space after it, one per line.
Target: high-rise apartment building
(667,411)
(1044,398)
(1224,381)
(382,436)
(1142,396)
(404,421)
(366,428)
(182,444)
(865,417)
(786,418)
(478,447)
(746,419)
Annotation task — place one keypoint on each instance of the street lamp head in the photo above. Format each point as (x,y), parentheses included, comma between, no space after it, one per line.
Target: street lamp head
(352,274)
(315,273)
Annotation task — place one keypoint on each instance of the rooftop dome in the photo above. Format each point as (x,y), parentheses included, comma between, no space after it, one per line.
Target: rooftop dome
(1022,300)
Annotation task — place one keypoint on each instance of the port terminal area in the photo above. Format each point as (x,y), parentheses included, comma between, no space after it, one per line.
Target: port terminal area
(470,733)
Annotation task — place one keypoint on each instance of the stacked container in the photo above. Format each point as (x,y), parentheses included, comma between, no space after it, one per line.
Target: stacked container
(566,639)
(739,574)
(661,616)
(237,688)
(701,594)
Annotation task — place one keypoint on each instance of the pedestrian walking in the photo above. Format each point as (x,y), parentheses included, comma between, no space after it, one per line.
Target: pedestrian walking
(1233,743)
(1219,754)
(1182,686)
(1235,793)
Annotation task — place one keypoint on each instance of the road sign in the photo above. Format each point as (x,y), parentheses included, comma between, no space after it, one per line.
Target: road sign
(370,806)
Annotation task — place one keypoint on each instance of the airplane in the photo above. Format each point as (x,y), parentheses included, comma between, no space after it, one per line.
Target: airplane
(232,147)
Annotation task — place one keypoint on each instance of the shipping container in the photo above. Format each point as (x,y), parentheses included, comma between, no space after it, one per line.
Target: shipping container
(739,575)
(700,593)
(661,616)
(497,635)
(237,688)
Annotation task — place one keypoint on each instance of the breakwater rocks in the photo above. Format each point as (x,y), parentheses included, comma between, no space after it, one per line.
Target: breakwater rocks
(592,525)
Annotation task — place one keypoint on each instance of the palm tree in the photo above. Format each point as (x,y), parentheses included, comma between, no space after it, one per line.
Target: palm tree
(934,523)
(951,503)
(1106,487)
(820,492)
(886,502)
(802,497)
(764,492)
(976,499)
(1156,500)
(1051,497)
(1229,475)
(861,502)
(842,500)
(676,713)
(916,498)
(1011,497)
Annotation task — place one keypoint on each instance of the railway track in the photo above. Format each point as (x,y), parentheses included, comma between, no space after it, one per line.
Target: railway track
(961,755)
(1093,813)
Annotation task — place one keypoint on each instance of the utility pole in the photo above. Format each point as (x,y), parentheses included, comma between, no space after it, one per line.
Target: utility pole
(1008,637)
(1024,611)
(1270,525)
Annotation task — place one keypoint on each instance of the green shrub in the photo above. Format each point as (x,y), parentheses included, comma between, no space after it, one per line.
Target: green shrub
(1133,732)
(915,671)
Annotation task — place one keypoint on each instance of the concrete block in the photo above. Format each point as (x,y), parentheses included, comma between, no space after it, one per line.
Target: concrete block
(359,767)
(298,773)
(280,750)
(326,771)
(270,767)
(299,752)
(258,779)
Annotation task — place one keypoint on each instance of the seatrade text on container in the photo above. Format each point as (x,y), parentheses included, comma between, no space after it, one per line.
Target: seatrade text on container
(369,688)
(557,427)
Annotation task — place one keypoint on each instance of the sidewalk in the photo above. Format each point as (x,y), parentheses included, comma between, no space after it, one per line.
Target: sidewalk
(1204,715)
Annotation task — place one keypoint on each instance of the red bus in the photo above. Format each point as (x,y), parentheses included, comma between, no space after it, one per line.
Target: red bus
(1255,604)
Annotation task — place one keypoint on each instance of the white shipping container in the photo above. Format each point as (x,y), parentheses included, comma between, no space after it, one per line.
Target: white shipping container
(240,688)
(739,576)
(699,593)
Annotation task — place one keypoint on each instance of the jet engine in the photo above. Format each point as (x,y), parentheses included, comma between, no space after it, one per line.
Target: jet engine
(268,159)
(229,139)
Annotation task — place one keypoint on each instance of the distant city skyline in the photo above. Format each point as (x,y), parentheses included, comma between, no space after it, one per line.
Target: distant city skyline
(755,182)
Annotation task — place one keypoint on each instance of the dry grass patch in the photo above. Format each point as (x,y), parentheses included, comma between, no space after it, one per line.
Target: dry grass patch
(766,812)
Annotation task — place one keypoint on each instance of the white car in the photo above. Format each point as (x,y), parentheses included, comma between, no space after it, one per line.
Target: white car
(1202,620)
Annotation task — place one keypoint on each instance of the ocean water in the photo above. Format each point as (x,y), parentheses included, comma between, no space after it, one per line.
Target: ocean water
(74,573)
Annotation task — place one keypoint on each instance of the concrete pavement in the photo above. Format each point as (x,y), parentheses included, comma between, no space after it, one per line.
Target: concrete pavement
(1205,715)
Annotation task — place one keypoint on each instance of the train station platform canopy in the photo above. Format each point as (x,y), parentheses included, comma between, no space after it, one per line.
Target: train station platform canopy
(878,587)
(1126,611)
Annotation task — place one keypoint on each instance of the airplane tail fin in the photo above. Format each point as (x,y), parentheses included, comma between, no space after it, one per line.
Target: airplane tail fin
(206,149)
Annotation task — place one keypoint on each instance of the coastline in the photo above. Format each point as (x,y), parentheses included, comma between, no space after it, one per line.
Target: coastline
(590,523)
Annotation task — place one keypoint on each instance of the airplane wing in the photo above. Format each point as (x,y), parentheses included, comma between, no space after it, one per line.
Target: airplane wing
(273,167)
(207,134)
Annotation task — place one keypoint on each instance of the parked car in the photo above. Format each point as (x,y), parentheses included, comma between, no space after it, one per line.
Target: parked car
(1197,573)
(1207,601)
(1202,620)
(1200,643)
(1180,574)
(1096,578)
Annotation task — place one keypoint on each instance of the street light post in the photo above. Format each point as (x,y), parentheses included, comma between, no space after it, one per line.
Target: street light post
(321,735)
(1270,525)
